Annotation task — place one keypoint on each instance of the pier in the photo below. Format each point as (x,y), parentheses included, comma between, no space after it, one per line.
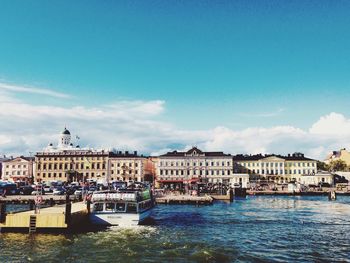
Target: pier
(185,199)
(59,217)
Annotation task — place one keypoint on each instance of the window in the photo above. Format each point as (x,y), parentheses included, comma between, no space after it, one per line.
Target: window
(110,206)
(120,207)
(98,207)
(131,208)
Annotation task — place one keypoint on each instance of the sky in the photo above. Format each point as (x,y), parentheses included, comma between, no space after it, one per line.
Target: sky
(154,76)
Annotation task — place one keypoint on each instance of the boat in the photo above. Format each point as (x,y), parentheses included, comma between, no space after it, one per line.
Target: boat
(121,207)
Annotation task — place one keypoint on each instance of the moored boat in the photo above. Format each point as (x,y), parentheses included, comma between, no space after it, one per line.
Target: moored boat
(126,207)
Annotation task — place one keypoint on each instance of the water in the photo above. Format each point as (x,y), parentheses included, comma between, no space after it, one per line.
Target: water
(259,229)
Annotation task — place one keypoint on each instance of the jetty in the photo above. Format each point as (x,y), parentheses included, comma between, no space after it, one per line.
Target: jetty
(56,218)
(185,199)
(29,199)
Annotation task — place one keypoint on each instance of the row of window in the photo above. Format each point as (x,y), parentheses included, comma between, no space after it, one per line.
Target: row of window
(60,175)
(200,172)
(125,172)
(24,166)
(60,166)
(125,165)
(274,164)
(17,173)
(276,171)
(222,163)
(71,158)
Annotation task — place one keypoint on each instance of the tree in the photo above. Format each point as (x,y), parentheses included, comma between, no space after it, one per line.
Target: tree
(322,166)
(337,165)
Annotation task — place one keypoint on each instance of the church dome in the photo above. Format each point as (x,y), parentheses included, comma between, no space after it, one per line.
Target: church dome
(66,132)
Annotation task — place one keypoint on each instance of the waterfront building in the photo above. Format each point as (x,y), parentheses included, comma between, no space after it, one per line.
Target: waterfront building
(125,166)
(316,179)
(277,168)
(179,168)
(342,154)
(2,159)
(20,169)
(66,162)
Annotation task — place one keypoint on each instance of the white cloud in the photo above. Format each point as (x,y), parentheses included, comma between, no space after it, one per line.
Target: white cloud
(332,124)
(18,88)
(133,125)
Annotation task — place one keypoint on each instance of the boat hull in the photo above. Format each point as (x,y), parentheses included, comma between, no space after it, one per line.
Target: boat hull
(119,219)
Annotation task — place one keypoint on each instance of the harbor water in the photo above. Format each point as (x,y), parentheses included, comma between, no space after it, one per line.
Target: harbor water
(256,229)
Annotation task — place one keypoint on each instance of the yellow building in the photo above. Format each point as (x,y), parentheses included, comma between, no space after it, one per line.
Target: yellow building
(278,168)
(130,167)
(66,162)
(73,165)
(343,155)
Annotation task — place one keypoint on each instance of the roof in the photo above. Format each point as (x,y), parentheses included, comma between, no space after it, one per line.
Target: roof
(66,132)
(194,151)
(21,157)
(257,157)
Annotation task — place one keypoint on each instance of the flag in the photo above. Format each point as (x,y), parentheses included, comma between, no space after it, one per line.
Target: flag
(86,163)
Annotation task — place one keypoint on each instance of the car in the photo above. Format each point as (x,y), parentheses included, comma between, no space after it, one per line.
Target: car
(37,192)
(26,190)
(47,189)
(58,191)
(78,193)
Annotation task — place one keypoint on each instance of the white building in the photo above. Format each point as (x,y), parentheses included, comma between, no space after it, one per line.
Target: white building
(18,169)
(178,168)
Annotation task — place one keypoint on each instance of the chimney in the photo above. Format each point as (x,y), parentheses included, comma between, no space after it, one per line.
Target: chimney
(126,152)
(135,152)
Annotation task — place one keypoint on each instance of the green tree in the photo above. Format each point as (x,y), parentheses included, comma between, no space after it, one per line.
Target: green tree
(337,165)
(322,166)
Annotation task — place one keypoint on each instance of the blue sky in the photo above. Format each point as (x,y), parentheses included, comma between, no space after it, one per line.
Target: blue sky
(237,64)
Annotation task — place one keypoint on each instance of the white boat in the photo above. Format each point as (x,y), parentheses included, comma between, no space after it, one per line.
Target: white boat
(120,208)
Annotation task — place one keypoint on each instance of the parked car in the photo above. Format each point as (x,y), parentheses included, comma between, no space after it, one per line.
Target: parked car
(58,191)
(78,193)
(37,192)
(47,189)
(9,189)
(26,190)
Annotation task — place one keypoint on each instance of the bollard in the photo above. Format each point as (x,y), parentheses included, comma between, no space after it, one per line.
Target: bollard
(2,213)
(88,203)
(31,204)
(231,195)
(67,219)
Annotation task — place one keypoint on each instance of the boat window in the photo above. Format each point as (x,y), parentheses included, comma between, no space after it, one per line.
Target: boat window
(131,208)
(98,207)
(110,206)
(120,207)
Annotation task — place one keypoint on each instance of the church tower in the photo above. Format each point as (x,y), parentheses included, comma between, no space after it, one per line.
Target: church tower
(64,140)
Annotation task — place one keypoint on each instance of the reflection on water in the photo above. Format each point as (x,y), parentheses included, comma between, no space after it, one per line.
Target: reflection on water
(258,229)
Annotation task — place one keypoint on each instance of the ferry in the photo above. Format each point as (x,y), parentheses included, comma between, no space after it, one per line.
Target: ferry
(122,207)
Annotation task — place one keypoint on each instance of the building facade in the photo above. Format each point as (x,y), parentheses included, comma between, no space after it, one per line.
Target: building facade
(2,160)
(278,168)
(20,169)
(178,168)
(342,154)
(66,162)
(125,166)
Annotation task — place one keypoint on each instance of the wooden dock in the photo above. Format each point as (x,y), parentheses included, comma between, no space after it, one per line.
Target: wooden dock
(60,217)
(185,199)
(27,199)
